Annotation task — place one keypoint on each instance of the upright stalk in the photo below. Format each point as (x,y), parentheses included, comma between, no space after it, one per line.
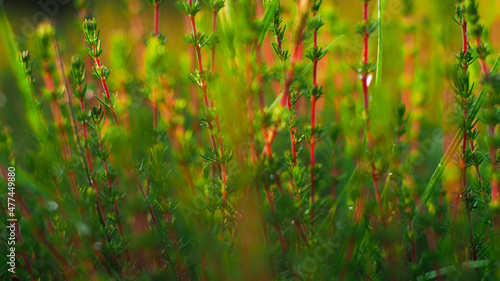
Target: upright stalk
(465,99)
(109,180)
(365,29)
(79,90)
(476,31)
(157,17)
(298,38)
(463,168)
(100,71)
(315,54)
(198,40)
(46,35)
(156,4)
(94,50)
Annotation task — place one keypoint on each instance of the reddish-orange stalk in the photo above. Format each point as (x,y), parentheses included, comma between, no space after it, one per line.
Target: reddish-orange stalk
(287,99)
(491,130)
(296,55)
(313,122)
(203,85)
(154,90)
(106,90)
(139,183)
(157,17)
(85,134)
(155,102)
(364,81)
(208,103)
(89,161)
(463,165)
(56,112)
(110,183)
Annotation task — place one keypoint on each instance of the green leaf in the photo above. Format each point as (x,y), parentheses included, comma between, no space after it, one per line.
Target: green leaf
(324,52)
(266,20)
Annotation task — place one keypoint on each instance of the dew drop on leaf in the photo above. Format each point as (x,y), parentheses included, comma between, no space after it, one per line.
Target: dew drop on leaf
(369,80)
(52,206)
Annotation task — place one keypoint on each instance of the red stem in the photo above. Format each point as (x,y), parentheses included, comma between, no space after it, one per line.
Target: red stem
(313,124)
(106,90)
(56,112)
(285,100)
(155,104)
(463,166)
(141,187)
(100,207)
(494,183)
(157,17)
(364,81)
(110,184)
(207,102)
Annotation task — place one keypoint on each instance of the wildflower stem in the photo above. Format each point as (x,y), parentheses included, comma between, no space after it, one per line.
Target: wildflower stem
(364,81)
(209,104)
(109,182)
(87,164)
(56,112)
(491,129)
(106,90)
(154,90)
(157,17)
(313,120)
(298,38)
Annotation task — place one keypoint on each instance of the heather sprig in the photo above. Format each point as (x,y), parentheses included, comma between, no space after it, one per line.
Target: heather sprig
(491,84)
(365,69)
(27,65)
(45,38)
(77,74)
(107,174)
(215,6)
(315,54)
(465,102)
(100,71)
(210,116)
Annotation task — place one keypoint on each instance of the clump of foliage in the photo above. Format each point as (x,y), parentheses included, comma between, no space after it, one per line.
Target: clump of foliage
(239,146)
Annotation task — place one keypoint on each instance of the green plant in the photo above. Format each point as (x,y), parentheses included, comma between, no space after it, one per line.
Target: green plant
(365,69)
(118,182)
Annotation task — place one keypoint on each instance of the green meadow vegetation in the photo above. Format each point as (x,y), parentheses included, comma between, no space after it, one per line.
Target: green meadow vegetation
(250,140)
